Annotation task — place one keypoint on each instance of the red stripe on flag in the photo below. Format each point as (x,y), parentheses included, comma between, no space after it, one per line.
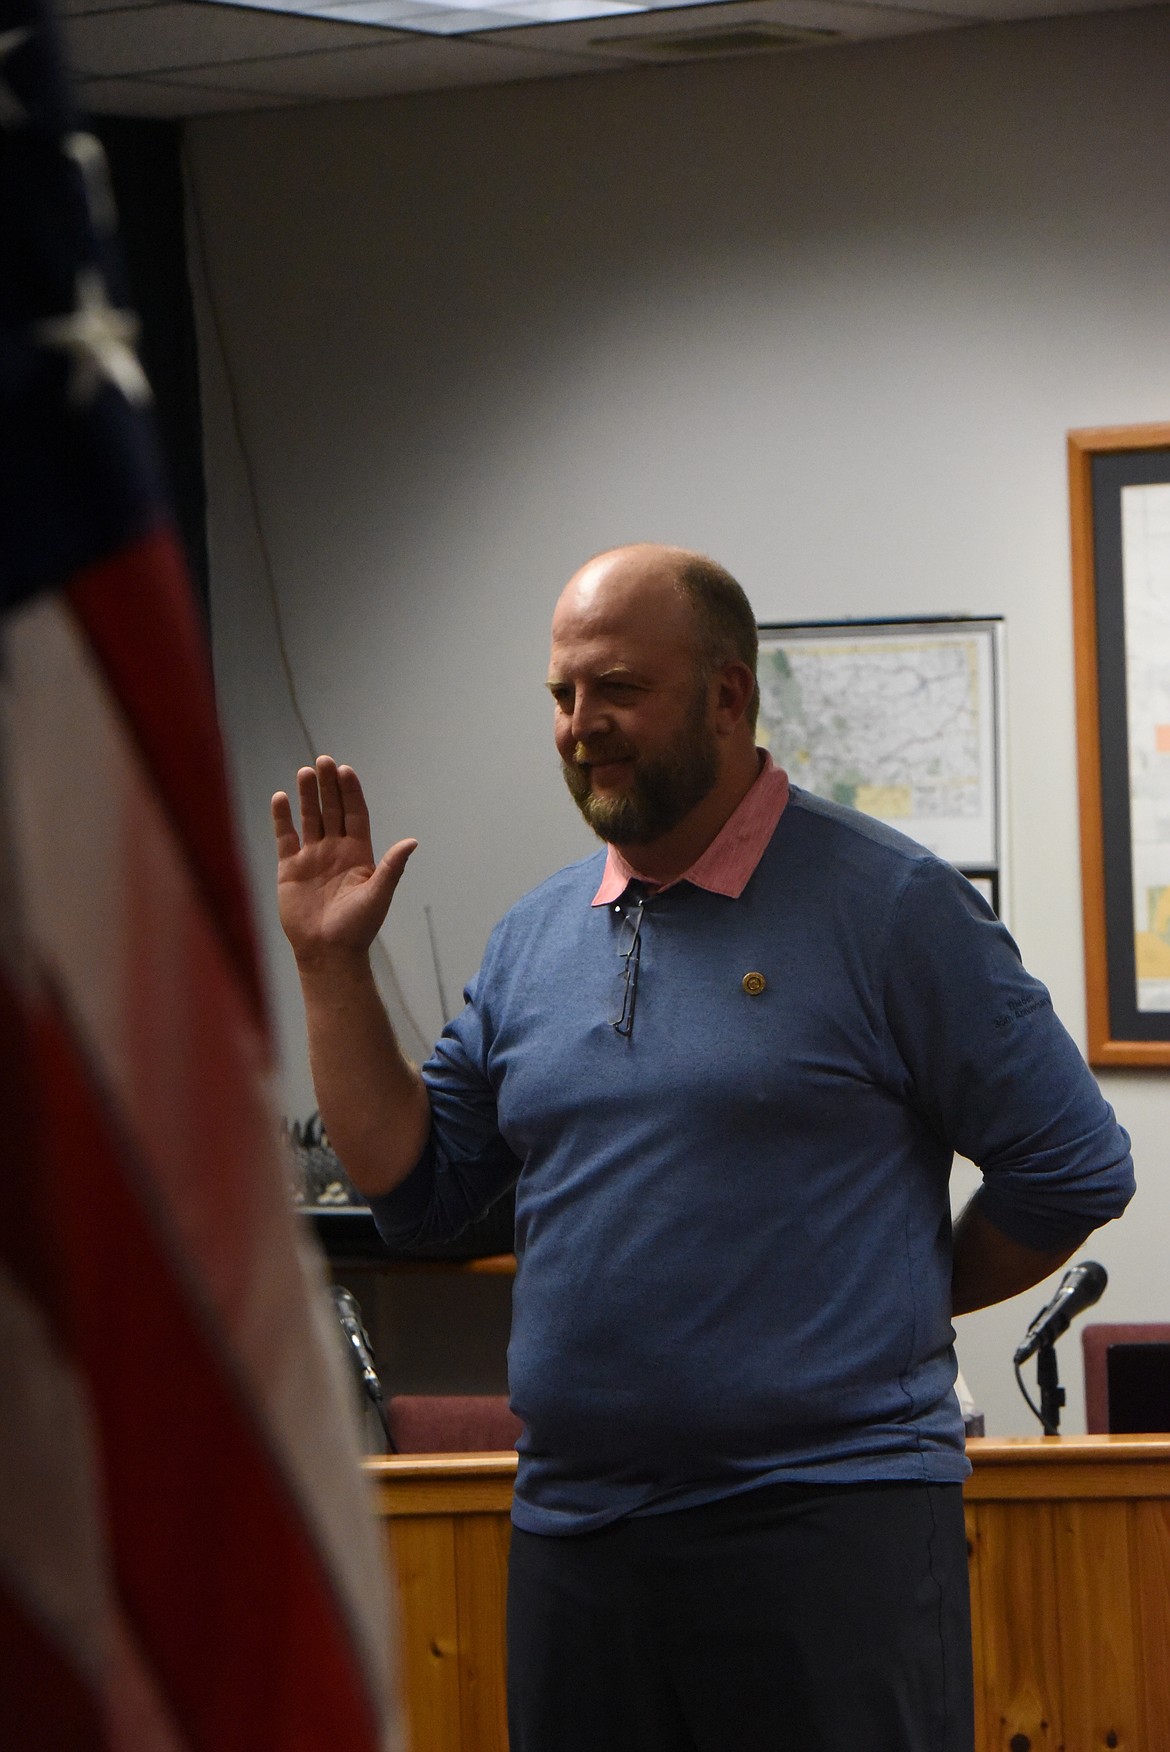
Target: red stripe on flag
(216,1570)
(44,1704)
(140,617)
(24,1246)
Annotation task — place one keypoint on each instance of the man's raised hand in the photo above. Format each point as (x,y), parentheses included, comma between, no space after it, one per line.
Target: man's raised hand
(332,896)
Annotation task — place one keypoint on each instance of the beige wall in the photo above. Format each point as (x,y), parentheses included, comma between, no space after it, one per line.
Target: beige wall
(826,316)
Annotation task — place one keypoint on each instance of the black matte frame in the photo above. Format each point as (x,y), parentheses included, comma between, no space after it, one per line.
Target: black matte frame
(1101,463)
(1110,474)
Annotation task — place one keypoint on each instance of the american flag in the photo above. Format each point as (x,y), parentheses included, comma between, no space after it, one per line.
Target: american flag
(187,1558)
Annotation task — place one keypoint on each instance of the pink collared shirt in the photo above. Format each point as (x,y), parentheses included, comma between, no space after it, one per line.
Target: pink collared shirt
(730,859)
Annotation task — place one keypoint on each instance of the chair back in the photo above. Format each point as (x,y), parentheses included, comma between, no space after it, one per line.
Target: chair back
(1097,1340)
(452,1423)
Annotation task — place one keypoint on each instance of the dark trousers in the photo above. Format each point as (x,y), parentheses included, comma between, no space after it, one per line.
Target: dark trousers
(792,1618)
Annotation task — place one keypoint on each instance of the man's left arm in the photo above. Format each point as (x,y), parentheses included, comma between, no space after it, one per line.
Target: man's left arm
(996,1075)
(989,1266)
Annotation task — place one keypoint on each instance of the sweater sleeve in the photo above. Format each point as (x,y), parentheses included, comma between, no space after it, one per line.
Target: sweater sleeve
(984,1058)
(466,1164)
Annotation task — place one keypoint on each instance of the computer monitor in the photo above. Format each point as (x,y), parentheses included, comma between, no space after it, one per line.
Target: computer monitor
(1138,1387)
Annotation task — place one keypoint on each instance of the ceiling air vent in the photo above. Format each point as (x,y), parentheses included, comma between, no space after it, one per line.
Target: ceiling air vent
(731,39)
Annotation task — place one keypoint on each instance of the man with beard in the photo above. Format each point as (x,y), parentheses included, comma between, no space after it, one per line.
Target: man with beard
(727,1062)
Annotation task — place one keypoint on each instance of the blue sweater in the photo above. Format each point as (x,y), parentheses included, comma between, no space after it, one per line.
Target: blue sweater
(733,1233)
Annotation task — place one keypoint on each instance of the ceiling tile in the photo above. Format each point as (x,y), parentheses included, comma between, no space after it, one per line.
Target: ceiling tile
(146,97)
(1007,10)
(75,6)
(850,20)
(206,56)
(150,39)
(420,64)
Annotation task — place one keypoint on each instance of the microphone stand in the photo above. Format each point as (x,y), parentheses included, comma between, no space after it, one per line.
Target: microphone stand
(1052,1394)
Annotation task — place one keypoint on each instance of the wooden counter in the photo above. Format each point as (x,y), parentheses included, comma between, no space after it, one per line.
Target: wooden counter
(1070,1592)
(446,1531)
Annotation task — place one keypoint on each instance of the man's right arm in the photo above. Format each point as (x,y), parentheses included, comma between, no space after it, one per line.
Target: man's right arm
(333,899)
(373,1101)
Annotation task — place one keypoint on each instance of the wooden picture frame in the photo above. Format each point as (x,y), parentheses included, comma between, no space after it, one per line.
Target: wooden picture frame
(1115,575)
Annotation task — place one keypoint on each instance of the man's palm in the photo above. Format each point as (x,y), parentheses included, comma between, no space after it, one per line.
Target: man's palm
(331,893)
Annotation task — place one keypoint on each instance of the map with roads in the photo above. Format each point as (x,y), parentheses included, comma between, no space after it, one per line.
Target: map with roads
(896,721)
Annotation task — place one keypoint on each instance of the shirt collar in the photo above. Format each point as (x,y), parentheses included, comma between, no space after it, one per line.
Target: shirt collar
(730,860)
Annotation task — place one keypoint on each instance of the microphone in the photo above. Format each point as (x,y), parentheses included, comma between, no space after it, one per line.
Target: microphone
(1079,1288)
(350,1316)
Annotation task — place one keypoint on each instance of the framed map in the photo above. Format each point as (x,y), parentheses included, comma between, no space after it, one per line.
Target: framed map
(900,719)
(1119,480)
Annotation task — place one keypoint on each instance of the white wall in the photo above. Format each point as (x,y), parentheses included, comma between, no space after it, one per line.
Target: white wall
(827,317)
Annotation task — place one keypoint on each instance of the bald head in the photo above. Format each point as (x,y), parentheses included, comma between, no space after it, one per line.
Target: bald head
(677,595)
(636,588)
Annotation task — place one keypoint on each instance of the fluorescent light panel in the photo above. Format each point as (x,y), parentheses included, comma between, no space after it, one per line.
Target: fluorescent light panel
(462,17)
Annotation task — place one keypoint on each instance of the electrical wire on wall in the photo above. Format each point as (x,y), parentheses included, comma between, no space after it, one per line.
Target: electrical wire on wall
(415,1041)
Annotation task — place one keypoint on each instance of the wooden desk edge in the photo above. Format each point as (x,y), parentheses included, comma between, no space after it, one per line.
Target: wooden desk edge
(1068,1466)
(1011,1466)
(1065,1450)
(443,1484)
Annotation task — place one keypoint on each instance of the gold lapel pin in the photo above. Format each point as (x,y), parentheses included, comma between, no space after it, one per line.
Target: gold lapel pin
(753,984)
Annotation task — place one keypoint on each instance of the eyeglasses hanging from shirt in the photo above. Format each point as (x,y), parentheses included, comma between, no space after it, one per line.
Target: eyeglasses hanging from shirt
(630,950)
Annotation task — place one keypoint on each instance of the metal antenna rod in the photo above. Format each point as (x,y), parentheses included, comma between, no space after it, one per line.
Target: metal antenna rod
(438,969)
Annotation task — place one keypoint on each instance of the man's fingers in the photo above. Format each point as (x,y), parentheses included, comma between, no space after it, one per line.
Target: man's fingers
(310,804)
(287,841)
(353,803)
(332,811)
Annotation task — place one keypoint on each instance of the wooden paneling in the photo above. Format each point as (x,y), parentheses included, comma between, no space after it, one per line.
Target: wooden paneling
(1093,1601)
(1017,1666)
(1070,1593)
(447,1532)
(975,1563)
(422,1553)
(1151,1542)
(481,1581)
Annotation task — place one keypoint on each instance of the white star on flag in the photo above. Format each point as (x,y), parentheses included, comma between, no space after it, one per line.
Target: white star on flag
(12,111)
(88,155)
(101,340)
